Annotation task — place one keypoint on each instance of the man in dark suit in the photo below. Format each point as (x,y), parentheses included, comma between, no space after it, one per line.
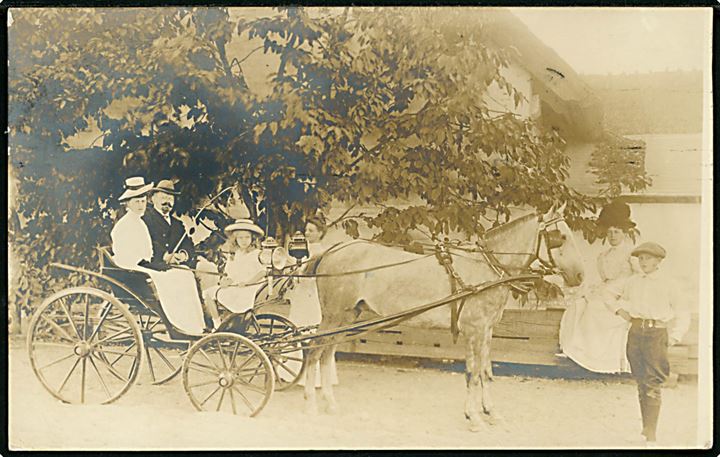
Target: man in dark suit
(166,231)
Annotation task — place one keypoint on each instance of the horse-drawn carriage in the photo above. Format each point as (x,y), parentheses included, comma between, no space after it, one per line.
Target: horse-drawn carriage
(87,344)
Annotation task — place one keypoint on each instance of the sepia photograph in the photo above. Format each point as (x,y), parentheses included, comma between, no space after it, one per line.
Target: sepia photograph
(342,228)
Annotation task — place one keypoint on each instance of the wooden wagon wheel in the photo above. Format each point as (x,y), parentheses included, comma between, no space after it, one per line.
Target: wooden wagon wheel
(287,358)
(228,372)
(77,353)
(164,356)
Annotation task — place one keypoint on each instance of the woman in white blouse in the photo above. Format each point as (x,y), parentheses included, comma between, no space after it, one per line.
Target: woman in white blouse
(303,297)
(132,249)
(591,334)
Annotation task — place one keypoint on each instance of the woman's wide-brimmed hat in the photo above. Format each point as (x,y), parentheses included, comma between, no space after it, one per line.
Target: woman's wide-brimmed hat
(244,224)
(135,187)
(615,214)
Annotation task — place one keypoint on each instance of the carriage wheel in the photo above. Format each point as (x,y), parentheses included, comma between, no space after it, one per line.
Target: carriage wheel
(84,346)
(164,356)
(228,372)
(287,358)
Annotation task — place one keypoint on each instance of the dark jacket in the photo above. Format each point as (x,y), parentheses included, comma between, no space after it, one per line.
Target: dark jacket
(165,237)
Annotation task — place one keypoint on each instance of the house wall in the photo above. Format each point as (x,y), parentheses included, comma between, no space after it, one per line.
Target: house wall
(498,99)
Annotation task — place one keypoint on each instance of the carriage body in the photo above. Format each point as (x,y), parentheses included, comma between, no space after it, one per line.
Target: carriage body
(88,344)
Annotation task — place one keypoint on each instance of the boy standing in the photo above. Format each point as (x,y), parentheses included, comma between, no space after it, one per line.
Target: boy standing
(651,301)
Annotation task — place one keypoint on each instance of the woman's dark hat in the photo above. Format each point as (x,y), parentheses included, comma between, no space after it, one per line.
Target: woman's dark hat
(615,214)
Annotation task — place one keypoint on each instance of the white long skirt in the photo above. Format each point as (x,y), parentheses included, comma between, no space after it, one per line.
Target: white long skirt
(236,299)
(305,311)
(179,298)
(593,336)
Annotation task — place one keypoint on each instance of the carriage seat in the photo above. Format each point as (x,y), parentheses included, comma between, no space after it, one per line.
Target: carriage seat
(138,282)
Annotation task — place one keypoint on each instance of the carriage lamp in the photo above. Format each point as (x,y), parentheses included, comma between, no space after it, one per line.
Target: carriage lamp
(298,247)
(272,256)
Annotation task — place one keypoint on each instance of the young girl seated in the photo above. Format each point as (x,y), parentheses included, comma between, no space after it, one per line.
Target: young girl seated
(242,274)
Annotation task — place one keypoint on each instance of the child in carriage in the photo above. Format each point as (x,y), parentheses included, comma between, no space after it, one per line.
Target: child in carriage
(242,272)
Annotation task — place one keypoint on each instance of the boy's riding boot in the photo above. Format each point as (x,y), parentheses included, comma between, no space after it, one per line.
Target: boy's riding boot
(650,419)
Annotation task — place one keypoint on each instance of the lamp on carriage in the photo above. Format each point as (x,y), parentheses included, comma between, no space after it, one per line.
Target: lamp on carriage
(272,256)
(298,246)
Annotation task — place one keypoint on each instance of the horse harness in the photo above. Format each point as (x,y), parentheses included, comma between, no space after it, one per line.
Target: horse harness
(553,239)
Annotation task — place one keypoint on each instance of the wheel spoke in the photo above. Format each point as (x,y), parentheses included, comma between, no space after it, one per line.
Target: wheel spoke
(123,354)
(163,358)
(72,354)
(202,384)
(104,315)
(102,381)
(82,379)
(234,354)
(208,359)
(222,356)
(150,364)
(110,351)
(203,368)
(232,401)
(209,396)
(68,375)
(60,329)
(116,334)
(244,398)
(222,396)
(61,301)
(251,386)
(284,367)
(114,372)
(87,316)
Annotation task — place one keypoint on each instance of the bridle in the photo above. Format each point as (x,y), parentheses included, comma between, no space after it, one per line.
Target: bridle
(553,239)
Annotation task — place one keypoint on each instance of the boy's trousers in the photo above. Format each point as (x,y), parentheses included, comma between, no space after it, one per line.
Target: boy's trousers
(647,354)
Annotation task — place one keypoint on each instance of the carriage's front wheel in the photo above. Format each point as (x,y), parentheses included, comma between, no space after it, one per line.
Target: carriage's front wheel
(84,346)
(228,372)
(268,330)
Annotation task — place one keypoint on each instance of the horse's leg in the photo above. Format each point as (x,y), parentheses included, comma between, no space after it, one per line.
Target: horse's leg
(312,356)
(472,381)
(326,378)
(485,377)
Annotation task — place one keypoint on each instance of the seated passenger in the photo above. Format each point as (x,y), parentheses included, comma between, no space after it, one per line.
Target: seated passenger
(133,249)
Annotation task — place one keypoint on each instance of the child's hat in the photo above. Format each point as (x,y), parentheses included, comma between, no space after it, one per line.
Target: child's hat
(649,248)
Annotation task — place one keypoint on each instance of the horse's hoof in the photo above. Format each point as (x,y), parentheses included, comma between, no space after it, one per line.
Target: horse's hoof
(495,419)
(476,426)
(311,410)
(332,409)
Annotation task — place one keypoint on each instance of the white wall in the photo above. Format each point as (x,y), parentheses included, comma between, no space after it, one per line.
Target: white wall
(520,79)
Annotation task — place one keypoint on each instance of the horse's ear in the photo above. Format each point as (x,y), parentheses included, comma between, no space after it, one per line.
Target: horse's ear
(547,216)
(561,210)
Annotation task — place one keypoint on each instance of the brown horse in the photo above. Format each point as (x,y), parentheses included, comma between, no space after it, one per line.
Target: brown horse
(422,280)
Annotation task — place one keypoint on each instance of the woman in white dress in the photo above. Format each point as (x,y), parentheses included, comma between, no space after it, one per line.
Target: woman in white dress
(591,334)
(132,249)
(303,297)
(242,273)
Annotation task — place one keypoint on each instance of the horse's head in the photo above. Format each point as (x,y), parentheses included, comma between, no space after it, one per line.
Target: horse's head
(558,242)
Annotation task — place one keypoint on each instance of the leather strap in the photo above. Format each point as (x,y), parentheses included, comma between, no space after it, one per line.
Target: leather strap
(456,283)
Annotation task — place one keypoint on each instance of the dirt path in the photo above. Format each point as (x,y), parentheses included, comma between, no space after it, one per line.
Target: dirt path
(381,407)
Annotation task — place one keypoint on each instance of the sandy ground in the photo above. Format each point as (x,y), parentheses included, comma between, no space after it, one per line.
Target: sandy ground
(381,407)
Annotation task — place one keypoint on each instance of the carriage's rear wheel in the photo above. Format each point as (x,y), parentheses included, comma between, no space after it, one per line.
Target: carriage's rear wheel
(164,356)
(287,358)
(228,372)
(84,346)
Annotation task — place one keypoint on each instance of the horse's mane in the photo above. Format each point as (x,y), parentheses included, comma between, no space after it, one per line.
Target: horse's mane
(508,226)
